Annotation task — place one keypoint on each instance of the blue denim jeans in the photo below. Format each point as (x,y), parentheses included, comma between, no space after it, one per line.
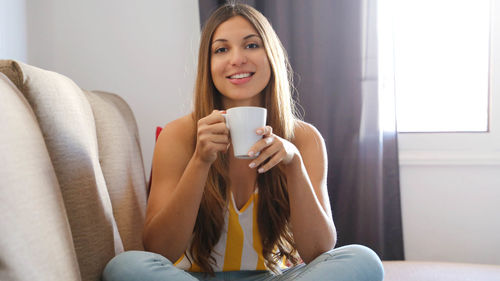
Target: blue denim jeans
(348,263)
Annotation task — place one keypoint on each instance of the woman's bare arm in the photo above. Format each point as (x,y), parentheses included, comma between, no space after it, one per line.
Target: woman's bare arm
(310,213)
(179,177)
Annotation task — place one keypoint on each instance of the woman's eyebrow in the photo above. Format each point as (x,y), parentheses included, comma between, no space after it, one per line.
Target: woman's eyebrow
(250,36)
(244,38)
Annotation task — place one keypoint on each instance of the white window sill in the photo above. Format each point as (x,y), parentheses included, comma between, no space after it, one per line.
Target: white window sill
(448,158)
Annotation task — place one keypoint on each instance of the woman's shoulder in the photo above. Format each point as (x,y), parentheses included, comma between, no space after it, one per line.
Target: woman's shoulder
(305,130)
(184,124)
(306,134)
(180,131)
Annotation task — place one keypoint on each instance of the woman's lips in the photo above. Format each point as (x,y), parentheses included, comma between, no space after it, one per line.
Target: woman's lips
(240,78)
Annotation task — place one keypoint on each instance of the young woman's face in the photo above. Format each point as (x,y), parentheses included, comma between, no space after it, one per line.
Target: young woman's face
(239,65)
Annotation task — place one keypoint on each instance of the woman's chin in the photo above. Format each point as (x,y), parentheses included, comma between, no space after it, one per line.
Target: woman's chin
(243,99)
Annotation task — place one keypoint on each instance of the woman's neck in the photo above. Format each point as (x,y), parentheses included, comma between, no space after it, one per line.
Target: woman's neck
(243,178)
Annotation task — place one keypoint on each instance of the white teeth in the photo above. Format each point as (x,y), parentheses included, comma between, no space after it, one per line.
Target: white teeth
(240,75)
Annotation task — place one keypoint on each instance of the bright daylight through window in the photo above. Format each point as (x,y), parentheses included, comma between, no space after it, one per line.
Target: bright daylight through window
(440,63)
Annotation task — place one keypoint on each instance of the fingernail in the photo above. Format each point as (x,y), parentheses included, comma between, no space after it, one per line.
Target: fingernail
(259,131)
(268,140)
(261,170)
(252,165)
(251,153)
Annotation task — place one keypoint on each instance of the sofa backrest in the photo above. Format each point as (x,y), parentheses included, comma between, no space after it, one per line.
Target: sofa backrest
(122,164)
(33,225)
(92,142)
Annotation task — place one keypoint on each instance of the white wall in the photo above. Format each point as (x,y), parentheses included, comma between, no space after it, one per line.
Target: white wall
(13,29)
(145,51)
(450,186)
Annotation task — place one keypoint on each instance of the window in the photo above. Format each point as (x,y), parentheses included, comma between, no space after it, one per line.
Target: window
(440,63)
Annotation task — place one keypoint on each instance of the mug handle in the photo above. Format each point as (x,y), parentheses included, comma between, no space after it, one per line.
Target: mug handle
(225,119)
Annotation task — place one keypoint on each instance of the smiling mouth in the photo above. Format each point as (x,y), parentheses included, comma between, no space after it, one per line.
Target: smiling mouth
(241,75)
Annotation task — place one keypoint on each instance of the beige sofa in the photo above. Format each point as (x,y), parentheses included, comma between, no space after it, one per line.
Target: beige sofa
(73,187)
(72,184)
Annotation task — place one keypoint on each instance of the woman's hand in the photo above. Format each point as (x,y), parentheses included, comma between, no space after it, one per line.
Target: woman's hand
(273,151)
(212,137)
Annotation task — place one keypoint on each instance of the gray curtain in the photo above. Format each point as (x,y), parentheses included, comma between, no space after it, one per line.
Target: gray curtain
(332,45)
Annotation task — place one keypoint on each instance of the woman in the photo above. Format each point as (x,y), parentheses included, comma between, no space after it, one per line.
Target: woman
(211,215)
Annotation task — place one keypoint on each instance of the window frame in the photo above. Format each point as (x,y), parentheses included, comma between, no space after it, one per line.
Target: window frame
(460,148)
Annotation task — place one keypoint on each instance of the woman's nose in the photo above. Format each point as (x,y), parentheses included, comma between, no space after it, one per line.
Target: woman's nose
(238,57)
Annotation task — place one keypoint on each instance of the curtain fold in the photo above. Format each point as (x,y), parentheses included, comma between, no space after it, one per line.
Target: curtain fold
(332,47)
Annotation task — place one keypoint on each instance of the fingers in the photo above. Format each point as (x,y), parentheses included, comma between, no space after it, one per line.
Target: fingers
(214,118)
(260,145)
(217,128)
(220,139)
(212,136)
(268,138)
(275,160)
(215,138)
(271,151)
(213,123)
(265,131)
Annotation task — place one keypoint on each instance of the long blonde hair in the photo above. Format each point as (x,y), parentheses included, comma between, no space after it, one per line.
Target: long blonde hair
(273,211)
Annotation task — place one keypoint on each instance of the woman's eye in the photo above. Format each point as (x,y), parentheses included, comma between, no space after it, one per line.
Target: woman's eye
(252,46)
(220,50)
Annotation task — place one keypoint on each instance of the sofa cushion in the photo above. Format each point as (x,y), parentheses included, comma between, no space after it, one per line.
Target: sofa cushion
(121,162)
(67,124)
(33,223)
(439,271)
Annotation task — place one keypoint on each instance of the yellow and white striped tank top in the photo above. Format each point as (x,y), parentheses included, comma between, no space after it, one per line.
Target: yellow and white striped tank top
(240,246)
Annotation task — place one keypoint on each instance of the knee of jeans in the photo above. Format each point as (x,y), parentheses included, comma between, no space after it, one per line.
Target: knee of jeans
(366,258)
(131,264)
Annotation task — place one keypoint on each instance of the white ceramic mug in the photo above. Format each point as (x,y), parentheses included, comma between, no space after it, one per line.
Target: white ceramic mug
(243,122)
